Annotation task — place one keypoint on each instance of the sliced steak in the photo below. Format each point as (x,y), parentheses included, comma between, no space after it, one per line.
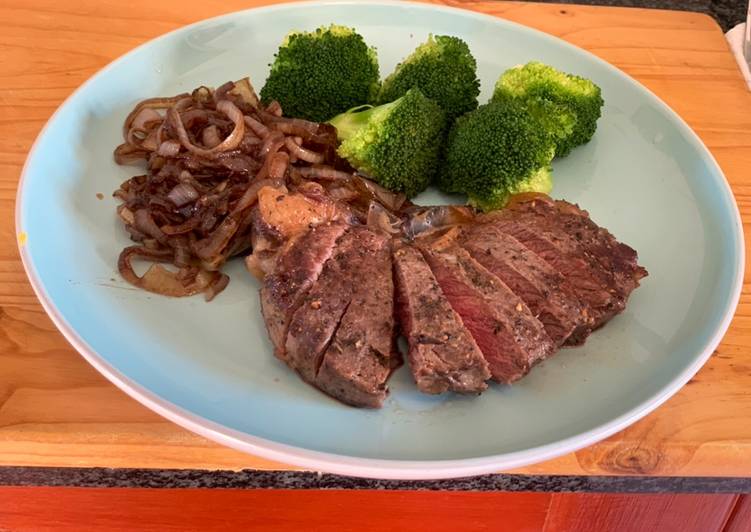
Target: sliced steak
(363,352)
(595,287)
(315,322)
(508,334)
(616,257)
(543,289)
(296,269)
(281,216)
(443,356)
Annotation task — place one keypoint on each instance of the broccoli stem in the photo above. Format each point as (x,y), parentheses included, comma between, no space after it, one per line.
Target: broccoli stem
(348,123)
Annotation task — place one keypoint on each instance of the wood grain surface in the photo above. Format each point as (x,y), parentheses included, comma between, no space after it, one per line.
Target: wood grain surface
(67,509)
(56,410)
(739,519)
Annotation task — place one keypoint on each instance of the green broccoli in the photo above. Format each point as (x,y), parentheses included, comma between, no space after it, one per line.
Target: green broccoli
(319,74)
(396,144)
(578,101)
(443,69)
(495,151)
(556,119)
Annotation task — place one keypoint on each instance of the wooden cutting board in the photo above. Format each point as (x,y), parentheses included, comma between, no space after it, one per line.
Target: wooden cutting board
(56,410)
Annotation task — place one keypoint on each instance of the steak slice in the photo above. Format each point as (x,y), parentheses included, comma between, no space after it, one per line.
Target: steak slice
(297,268)
(363,352)
(542,288)
(616,257)
(320,312)
(443,356)
(508,334)
(595,287)
(281,216)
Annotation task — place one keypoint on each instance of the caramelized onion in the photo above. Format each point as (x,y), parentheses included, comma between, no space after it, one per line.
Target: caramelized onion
(149,143)
(182,193)
(220,283)
(278,165)
(391,200)
(257,127)
(169,148)
(245,92)
(128,154)
(230,143)
(213,245)
(186,227)
(208,155)
(425,219)
(302,153)
(273,142)
(274,108)
(145,116)
(144,222)
(381,219)
(210,136)
(126,214)
(323,172)
(160,280)
(151,103)
(250,196)
(182,257)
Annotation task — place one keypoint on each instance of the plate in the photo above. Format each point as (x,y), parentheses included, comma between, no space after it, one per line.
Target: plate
(209,367)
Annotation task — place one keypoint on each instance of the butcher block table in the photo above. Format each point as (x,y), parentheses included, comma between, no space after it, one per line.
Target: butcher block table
(63,424)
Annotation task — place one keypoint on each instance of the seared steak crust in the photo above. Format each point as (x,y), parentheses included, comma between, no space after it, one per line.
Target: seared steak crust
(314,323)
(511,339)
(297,268)
(477,297)
(595,287)
(443,356)
(362,353)
(547,293)
(616,257)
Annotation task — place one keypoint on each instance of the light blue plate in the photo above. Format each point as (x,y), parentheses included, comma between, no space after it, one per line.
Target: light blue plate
(209,367)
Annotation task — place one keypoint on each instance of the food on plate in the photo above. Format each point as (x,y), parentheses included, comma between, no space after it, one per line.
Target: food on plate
(478,296)
(442,353)
(207,155)
(321,212)
(341,337)
(602,271)
(510,337)
(317,75)
(291,276)
(571,104)
(444,70)
(325,195)
(545,290)
(502,148)
(279,217)
(507,146)
(496,151)
(396,144)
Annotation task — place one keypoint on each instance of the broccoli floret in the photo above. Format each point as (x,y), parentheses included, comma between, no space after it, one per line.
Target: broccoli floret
(557,119)
(319,74)
(495,151)
(443,69)
(397,144)
(577,97)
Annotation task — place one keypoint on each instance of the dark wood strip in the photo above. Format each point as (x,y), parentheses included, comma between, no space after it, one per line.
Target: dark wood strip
(302,480)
